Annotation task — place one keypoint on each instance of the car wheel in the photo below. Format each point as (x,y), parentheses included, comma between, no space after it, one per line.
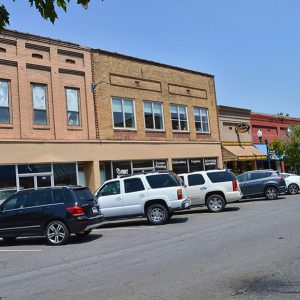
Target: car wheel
(10,239)
(57,233)
(84,233)
(215,203)
(157,214)
(271,193)
(293,189)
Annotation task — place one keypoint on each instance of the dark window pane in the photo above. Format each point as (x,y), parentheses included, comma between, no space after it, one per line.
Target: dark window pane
(222,176)
(149,121)
(65,174)
(118,119)
(43,181)
(175,125)
(182,178)
(198,126)
(158,122)
(58,196)
(142,164)
(26,182)
(40,117)
(257,175)
(34,168)
(129,120)
(183,125)
(242,177)
(179,166)
(111,188)
(73,118)
(210,163)
(40,197)
(195,179)
(196,165)
(7,177)
(83,194)
(4,115)
(160,165)
(161,181)
(16,201)
(121,168)
(133,185)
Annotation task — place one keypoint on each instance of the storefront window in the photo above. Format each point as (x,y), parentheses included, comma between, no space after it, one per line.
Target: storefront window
(210,163)
(65,174)
(121,168)
(196,164)
(160,165)
(180,166)
(8,183)
(34,168)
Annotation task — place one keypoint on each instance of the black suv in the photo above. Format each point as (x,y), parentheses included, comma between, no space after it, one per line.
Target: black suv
(262,183)
(54,212)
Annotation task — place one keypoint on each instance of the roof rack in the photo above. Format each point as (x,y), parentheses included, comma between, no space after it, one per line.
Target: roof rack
(144,173)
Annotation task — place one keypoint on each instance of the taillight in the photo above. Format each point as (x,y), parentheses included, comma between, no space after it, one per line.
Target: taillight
(179,194)
(234,186)
(75,211)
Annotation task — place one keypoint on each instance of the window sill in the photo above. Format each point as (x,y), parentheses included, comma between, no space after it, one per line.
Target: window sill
(203,133)
(6,126)
(154,130)
(126,129)
(74,128)
(41,127)
(178,131)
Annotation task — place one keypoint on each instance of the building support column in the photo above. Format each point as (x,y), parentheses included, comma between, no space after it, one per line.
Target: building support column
(92,172)
(170,164)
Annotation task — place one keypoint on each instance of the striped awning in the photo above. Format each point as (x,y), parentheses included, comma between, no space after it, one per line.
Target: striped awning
(232,153)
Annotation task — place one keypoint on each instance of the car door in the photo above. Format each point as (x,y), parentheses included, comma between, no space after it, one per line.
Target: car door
(196,189)
(110,199)
(134,196)
(256,183)
(243,180)
(11,215)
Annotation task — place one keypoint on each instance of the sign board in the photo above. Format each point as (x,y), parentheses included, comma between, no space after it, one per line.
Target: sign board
(242,127)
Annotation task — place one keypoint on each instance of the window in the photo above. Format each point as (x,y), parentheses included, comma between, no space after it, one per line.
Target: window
(72,107)
(179,118)
(195,179)
(111,188)
(123,113)
(58,196)
(4,102)
(201,120)
(182,179)
(153,115)
(39,104)
(162,181)
(65,174)
(133,185)
(16,201)
(40,197)
(258,175)
(220,176)
(83,194)
(242,177)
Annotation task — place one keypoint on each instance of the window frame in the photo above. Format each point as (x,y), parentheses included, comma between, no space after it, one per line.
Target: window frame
(110,182)
(78,103)
(8,81)
(187,117)
(208,122)
(153,115)
(123,113)
(45,86)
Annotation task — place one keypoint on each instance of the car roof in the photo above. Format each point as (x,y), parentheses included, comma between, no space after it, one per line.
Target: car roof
(73,187)
(207,171)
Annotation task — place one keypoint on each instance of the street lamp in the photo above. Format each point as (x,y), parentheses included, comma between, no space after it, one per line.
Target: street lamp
(93,85)
(260,136)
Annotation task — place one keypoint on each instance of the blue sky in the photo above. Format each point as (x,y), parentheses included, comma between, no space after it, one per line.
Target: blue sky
(251,46)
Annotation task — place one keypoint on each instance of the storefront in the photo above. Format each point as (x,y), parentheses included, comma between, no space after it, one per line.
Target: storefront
(25,176)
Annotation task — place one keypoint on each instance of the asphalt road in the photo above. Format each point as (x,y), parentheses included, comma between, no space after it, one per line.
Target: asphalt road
(250,251)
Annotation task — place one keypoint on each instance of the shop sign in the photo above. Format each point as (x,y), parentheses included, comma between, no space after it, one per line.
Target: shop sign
(160,165)
(179,162)
(210,162)
(242,127)
(122,171)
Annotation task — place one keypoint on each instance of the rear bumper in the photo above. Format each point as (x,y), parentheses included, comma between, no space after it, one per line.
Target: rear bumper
(233,196)
(182,205)
(84,223)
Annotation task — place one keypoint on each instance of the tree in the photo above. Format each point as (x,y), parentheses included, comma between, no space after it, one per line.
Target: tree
(47,9)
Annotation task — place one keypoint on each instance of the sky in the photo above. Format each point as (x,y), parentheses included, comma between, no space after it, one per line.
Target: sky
(252,47)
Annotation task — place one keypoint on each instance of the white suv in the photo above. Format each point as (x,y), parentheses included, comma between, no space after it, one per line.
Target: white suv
(154,195)
(213,188)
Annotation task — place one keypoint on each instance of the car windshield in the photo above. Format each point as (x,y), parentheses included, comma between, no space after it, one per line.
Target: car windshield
(83,194)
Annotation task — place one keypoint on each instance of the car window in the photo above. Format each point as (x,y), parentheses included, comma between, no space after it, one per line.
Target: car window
(133,185)
(221,176)
(195,179)
(39,197)
(83,194)
(242,177)
(162,181)
(182,178)
(16,201)
(111,188)
(58,196)
(258,175)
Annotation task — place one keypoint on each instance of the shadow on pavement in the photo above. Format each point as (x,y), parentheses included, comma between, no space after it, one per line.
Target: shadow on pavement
(260,199)
(204,210)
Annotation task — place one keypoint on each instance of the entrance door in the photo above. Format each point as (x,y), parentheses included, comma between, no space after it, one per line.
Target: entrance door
(29,181)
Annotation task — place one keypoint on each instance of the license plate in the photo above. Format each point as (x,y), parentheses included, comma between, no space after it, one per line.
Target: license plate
(95,209)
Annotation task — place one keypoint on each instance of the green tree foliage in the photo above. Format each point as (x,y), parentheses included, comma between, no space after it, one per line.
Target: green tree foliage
(47,9)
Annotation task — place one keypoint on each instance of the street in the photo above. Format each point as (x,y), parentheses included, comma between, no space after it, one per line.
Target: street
(250,251)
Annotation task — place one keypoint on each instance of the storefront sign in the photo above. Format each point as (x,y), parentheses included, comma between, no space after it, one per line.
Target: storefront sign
(122,171)
(242,127)
(210,162)
(160,165)
(179,162)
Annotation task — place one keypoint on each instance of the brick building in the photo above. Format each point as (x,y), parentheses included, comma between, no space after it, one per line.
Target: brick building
(139,115)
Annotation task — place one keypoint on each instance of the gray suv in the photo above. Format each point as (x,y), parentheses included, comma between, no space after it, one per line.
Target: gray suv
(262,183)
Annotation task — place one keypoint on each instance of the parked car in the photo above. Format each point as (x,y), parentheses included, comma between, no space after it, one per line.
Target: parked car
(155,195)
(213,189)
(54,212)
(292,182)
(262,183)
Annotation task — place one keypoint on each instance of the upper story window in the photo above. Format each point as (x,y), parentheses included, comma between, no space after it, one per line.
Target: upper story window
(123,113)
(73,118)
(4,102)
(201,120)
(39,104)
(179,117)
(153,115)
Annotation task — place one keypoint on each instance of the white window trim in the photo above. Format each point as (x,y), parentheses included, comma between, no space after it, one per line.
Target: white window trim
(9,102)
(78,105)
(162,111)
(187,118)
(208,122)
(134,113)
(45,87)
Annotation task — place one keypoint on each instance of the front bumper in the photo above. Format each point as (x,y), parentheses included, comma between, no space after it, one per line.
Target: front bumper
(283,189)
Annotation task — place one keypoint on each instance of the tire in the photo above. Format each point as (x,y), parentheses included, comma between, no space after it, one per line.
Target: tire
(271,193)
(293,189)
(10,239)
(57,233)
(157,214)
(215,203)
(84,233)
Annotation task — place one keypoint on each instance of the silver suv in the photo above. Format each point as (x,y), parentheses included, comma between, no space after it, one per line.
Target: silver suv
(153,195)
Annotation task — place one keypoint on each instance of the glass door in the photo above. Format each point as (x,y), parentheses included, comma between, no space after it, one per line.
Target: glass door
(28,181)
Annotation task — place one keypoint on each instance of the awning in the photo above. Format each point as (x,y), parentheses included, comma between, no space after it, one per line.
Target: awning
(231,153)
